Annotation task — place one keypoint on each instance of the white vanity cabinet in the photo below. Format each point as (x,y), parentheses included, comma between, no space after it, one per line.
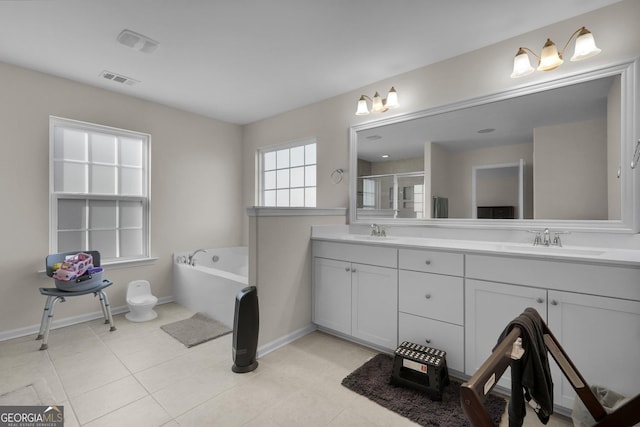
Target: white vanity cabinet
(332,294)
(600,333)
(355,292)
(374,298)
(431,302)
(489,308)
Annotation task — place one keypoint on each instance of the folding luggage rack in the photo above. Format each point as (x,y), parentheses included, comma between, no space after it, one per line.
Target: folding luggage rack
(473,392)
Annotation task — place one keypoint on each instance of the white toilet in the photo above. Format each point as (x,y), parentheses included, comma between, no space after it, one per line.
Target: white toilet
(140,302)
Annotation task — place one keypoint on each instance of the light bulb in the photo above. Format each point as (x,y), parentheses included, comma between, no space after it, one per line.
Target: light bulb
(549,57)
(521,65)
(585,46)
(362,110)
(392,98)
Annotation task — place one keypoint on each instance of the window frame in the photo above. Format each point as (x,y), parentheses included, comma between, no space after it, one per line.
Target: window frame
(88,197)
(260,199)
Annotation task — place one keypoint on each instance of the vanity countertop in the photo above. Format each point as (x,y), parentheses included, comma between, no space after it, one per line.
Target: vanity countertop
(625,257)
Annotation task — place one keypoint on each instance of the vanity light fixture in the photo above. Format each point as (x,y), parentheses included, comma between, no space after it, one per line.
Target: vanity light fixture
(550,58)
(378,105)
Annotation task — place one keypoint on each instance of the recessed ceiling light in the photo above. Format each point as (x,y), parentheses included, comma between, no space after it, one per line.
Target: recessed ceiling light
(487,130)
(385,156)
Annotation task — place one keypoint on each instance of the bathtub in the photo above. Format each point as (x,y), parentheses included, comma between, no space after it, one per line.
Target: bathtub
(211,285)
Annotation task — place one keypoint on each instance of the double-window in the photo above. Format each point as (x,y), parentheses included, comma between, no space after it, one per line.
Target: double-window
(99,190)
(288,175)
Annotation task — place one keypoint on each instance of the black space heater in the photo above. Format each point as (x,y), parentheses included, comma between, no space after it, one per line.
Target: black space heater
(245,331)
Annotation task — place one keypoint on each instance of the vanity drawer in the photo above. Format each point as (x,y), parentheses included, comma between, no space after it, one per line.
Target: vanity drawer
(611,281)
(363,254)
(431,261)
(432,295)
(435,334)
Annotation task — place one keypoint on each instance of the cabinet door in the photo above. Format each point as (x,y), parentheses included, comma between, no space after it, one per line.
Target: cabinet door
(375,305)
(332,294)
(490,307)
(601,336)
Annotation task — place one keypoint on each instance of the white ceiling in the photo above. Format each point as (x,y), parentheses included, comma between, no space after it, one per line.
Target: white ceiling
(244,60)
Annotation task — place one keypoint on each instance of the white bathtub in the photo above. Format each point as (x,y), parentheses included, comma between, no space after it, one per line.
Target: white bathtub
(212,284)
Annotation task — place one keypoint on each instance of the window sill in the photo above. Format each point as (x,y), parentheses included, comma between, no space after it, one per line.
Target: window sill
(129,262)
(293,211)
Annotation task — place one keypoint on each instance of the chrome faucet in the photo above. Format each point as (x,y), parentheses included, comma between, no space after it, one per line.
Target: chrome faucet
(556,238)
(544,237)
(192,260)
(378,230)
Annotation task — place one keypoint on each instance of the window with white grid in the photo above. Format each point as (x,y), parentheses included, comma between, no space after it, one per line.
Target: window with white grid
(288,175)
(99,190)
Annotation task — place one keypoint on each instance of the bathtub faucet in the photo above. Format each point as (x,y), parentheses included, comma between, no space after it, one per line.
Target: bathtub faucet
(192,259)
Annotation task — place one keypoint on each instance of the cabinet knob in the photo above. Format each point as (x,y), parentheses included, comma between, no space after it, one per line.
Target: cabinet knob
(353,270)
(428,296)
(554,302)
(428,262)
(347,269)
(539,300)
(427,340)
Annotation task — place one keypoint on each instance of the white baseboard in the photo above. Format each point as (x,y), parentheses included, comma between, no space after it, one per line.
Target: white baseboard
(287,339)
(68,321)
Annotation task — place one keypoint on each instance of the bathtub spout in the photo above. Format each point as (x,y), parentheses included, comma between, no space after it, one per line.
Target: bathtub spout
(192,259)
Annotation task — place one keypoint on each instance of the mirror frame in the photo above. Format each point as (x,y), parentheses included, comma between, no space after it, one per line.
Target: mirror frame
(630,183)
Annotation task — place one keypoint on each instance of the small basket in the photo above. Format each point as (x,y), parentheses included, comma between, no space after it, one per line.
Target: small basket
(82,283)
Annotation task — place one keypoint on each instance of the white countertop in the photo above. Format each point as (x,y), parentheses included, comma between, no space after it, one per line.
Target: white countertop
(626,257)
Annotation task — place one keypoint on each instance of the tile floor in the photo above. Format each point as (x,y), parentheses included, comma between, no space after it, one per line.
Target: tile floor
(140,376)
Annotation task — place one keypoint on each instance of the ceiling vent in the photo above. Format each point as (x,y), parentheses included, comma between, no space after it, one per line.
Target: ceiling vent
(137,41)
(118,78)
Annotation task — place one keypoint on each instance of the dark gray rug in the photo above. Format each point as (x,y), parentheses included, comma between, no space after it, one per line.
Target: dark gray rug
(195,330)
(372,381)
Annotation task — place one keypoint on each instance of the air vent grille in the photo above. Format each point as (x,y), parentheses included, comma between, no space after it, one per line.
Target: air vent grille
(118,78)
(137,41)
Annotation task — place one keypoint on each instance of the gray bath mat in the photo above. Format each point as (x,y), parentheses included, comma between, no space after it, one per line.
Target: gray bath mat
(197,329)
(371,380)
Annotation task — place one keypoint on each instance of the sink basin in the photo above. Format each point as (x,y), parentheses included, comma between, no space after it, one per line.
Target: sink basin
(553,250)
(368,238)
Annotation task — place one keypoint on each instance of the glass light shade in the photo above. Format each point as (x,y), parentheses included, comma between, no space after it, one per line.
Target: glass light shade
(392,98)
(377,105)
(585,46)
(521,65)
(362,110)
(549,57)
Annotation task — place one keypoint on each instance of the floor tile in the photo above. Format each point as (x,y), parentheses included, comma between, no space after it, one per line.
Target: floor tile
(89,370)
(140,376)
(145,412)
(110,397)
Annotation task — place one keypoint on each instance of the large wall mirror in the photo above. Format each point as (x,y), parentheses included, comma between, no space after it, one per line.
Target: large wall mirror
(554,153)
